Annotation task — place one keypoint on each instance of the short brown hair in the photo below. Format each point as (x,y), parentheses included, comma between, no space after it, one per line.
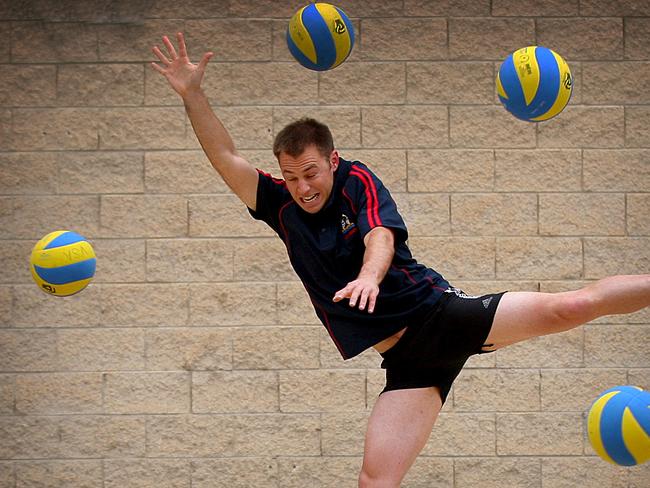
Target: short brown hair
(296,136)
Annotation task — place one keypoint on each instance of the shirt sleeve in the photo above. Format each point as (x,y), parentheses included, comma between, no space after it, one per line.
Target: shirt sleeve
(373,203)
(272,195)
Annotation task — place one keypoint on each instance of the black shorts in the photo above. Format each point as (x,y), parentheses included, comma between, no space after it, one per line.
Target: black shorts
(433,351)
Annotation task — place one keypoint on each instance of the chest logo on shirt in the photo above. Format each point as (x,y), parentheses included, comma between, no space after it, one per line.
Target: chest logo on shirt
(346,224)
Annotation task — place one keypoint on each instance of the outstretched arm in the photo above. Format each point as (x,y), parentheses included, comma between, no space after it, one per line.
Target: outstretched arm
(380,249)
(185,78)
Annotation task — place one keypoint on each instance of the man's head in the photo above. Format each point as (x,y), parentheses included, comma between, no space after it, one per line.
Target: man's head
(307,159)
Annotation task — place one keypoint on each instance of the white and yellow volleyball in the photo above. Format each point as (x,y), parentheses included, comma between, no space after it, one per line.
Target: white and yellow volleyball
(62,263)
(534,83)
(320,36)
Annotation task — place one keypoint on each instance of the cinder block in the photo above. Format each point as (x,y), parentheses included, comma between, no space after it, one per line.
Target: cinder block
(637,126)
(34,308)
(230,39)
(638,214)
(575,214)
(619,8)
(233,435)
(157,90)
(5,51)
(144,216)
(235,392)
(538,170)
(7,396)
(494,214)
(49,394)
(404,39)
(100,85)
(319,472)
(344,122)
(141,128)
(330,357)
(294,306)
(458,257)
(234,473)
(609,83)
(28,173)
(73,473)
(388,164)
(533,8)
(497,472)
(147,473)
(344,433)
(427,472)
(639,477)
(623,346)
(190,349)
(276,348)
(539,434)
(588,127)
(364,84)
(616,170)
(181,172)
(452,8)
(573,472)
(223,216)
(509,390)
(119,260)
(58,129)
(249,127)
(261,84)
(538,258)
(132,41)
(262,259)
(488,127)
(582,38)
(637,38)
(28,350)
(144,305)
(615,255)
(147,393)
(100,172)
(425,214)
(29,85)
(53,42)
(575,389)
(450,83)
(438,170)
(404,126)
(189,260)
(481,38)
(564,350)
(233,304)
(15,260)
(100,349)
(316,391)
(639,377)
(462,434)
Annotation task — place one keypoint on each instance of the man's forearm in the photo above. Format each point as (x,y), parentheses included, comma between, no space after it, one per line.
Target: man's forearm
(380,249)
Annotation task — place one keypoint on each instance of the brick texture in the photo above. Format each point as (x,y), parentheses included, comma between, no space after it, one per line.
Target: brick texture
(195,357)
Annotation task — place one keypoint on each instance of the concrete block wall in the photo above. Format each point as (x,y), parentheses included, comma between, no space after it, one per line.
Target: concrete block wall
(194,358)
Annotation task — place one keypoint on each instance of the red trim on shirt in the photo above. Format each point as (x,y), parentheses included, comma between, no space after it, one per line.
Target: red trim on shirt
(352,205)
(277,181)
(371,195)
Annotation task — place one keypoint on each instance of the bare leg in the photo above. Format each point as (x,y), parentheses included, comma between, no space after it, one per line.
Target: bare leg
(523,315)
(398,429)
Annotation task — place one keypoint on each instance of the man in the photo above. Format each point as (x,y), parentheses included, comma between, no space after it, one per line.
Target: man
(347,243)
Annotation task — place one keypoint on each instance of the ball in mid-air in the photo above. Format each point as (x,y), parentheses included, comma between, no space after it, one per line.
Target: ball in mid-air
(534,83)
(619,425)
(62,263)
(320,36)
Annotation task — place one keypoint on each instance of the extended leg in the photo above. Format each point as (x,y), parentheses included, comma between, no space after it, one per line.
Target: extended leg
(398,429)
(523,315)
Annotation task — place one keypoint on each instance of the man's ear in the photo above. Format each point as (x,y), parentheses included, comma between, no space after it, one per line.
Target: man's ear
(334,159)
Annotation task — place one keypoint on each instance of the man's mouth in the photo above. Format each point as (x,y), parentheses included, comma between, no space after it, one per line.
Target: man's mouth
(310,199)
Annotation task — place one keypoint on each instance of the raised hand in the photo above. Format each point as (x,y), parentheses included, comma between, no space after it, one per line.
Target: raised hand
(364,290)
(184,76)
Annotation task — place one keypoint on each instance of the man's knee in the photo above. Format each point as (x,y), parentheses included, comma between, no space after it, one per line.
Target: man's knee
(574,308)
(368,479)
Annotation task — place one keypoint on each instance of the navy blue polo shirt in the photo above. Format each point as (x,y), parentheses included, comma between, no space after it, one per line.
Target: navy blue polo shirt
(326,250)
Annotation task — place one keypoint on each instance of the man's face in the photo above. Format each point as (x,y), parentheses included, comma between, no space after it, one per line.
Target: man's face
(309,177)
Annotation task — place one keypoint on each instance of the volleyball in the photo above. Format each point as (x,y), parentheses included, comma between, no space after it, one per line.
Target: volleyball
(534,83)
(320,36)
(619,425)
(62,263)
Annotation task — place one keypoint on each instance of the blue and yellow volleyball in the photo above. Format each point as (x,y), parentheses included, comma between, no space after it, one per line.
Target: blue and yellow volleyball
(534,83)
(619,425)
(320,36)
(62,263)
